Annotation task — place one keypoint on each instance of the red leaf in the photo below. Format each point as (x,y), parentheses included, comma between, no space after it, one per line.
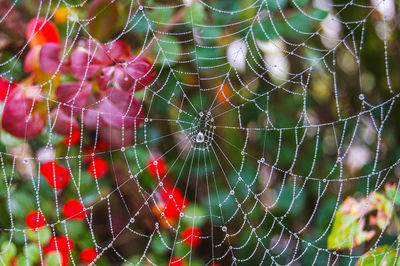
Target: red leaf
(119,108)
(31,62)
(88,59)
(18,118)
(40,31)
(132,75)
(63,122)
(49,58)
(73,95)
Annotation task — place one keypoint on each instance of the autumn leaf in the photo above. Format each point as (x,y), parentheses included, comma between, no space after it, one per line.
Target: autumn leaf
(384,255)
(348,226)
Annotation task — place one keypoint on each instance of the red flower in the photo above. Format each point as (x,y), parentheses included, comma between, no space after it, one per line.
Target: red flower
(174,201)
(88,255)
(56,175)
(177,261)
(6,88)
(73,209)
(40,31)
(192,236)
(35,219)
(157,167)
(64,244)
(21,117)
(72,139)
(98,167)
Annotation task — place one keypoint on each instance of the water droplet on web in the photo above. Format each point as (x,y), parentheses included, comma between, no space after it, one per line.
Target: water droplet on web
(200,137)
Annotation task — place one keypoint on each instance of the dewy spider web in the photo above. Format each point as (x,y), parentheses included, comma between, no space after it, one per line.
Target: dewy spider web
(262,171)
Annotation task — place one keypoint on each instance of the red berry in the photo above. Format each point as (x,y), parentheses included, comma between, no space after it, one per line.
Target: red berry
(73,209)
(14,261)
(177,261)
(72,139)
(215,264)
(64,244)
(192,236)
(56,175)
(98,167)
(40,31)
(88,255)
(35,219)
(102,145)
(157,167)
(174,201)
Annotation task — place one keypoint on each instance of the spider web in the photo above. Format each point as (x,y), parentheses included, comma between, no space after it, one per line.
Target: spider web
(263,171)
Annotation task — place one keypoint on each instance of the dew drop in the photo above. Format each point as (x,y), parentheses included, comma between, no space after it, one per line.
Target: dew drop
(200,137)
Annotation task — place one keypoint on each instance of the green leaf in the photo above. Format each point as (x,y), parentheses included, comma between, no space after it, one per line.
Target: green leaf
(8,140)
(348,226)
(301,3)
(53,258)
(160,244)
(76,229)
(44,235)
(384,255)
(319,13)
(13,69)
(104,14)
(195,14)
(194,216)
(170,49)
(393,193)
(8,250)
(33,253)
(294,201)
(21,203)
(276,5)
(161,15)
(139,23)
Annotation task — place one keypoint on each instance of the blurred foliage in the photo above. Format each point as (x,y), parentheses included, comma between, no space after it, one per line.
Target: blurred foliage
(300,184)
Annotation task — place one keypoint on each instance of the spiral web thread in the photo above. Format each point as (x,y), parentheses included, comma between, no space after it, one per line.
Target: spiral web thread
(273,236)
